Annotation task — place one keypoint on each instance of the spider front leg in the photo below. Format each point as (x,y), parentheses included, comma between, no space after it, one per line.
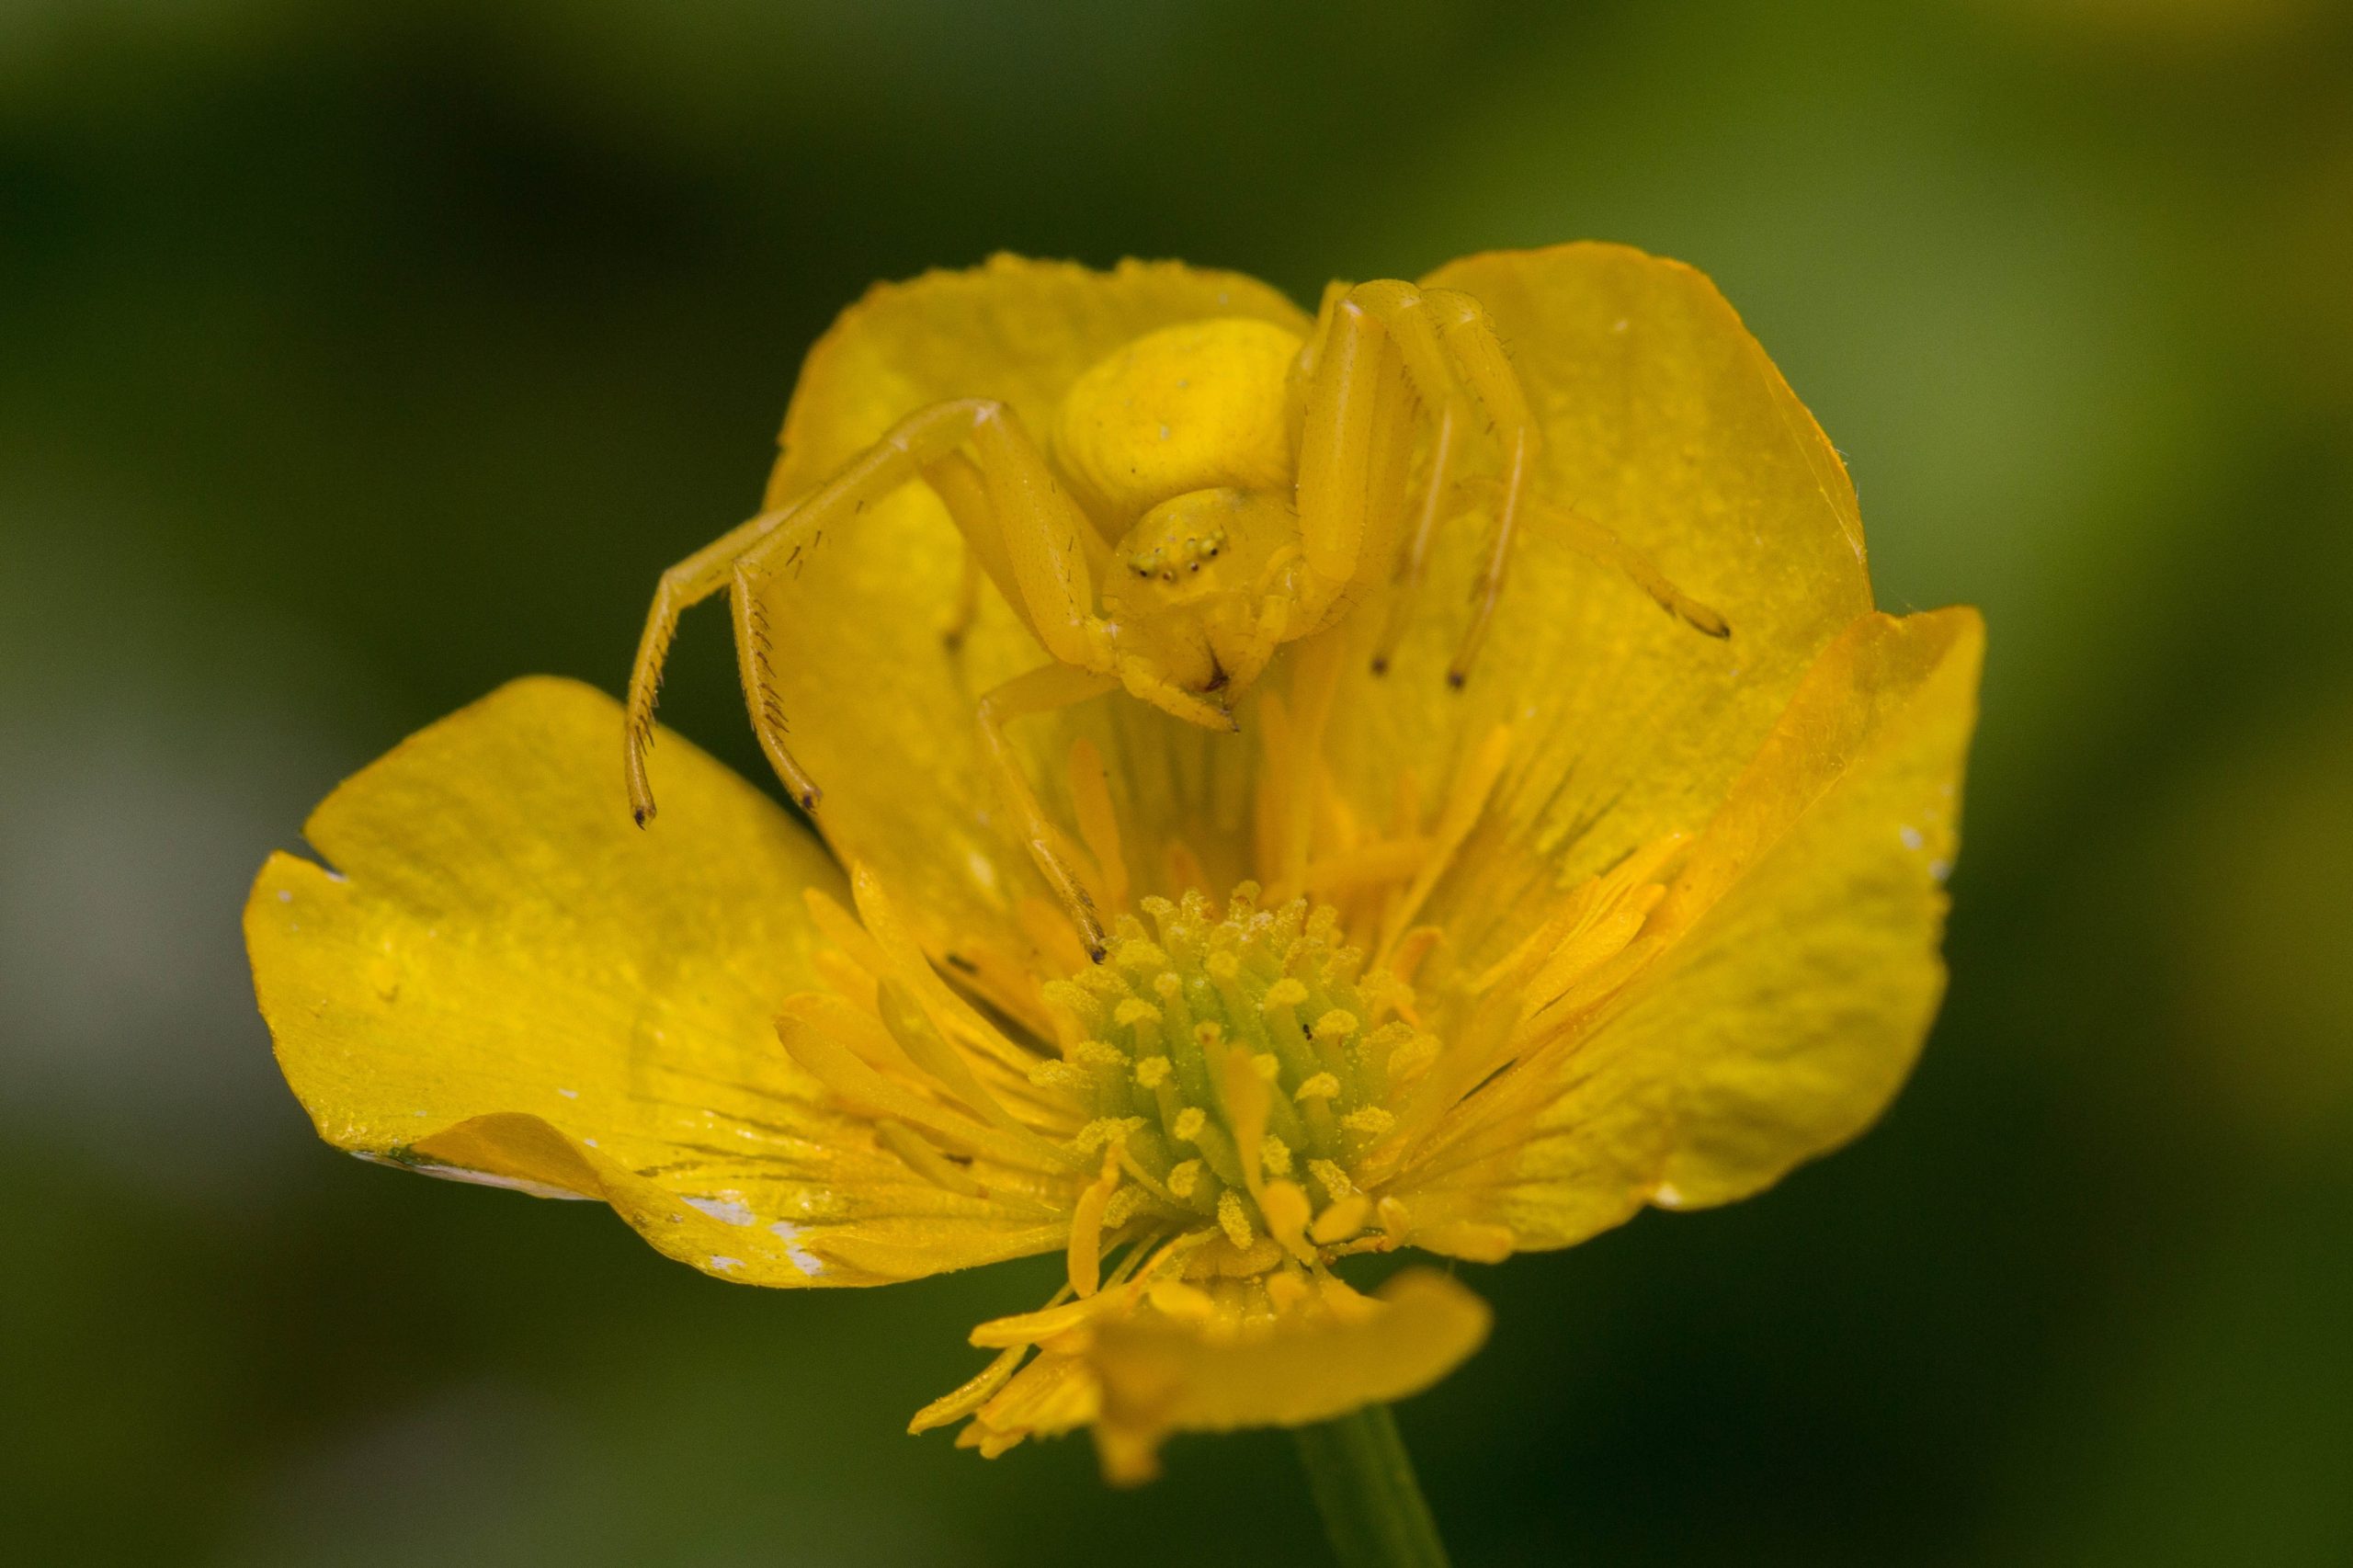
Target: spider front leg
(1403,313)
(1453,356)
(1446,451)
(1351,460)
(1598,543)
(1380,343)
(770,536)
(689,583)
(1477,355)
(1021,526)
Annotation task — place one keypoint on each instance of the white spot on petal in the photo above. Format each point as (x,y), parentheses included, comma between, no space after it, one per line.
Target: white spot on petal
(807,1262)
(727,1211)
(726,1264)
(1911,837)
(569,1094)
(1666,1195)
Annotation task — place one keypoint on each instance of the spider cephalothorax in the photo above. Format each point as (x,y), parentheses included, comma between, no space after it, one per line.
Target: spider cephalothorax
(1206,493)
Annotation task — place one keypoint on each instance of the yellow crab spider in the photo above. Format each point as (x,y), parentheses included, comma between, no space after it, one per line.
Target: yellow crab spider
(1209,492)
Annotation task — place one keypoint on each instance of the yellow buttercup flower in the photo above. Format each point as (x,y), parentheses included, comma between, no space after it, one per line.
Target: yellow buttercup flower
(1636,916)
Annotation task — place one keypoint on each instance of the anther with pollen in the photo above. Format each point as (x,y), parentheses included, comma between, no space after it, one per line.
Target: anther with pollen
(1242,1064)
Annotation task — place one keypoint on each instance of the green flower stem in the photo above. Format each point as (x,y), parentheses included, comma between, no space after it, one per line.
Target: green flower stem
(1364,1485)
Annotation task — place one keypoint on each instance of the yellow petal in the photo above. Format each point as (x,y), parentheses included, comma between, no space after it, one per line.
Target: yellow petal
(1160,1375)
(1662,419)
(1799,975)
(882,712)
(503,980)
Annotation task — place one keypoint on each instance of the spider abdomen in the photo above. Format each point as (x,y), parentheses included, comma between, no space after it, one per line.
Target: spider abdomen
(1203,406)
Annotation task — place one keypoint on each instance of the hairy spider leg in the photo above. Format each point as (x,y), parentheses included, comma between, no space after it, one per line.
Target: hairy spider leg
(1404,313)
(1447,352)
(1043,690)
(1446,455)
(1598,542)
(1020,522)
(1351,460)
(1478,356)
(1031,527)
(963,490)
(689,583)
(1055,599)
(962,487)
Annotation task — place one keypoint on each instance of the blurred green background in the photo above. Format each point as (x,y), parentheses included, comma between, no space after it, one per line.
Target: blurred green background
(356,358)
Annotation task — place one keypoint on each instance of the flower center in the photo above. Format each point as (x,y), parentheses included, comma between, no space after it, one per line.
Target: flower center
(1233,1068)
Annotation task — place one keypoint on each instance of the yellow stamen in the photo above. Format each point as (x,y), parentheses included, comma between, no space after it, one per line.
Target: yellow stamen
(913,970)
(1195,1038)
(1188,1303)
(826,1059)
(1589,903)
(1287,1211)
(1233,1220)
(1087,1229)
(1269,812)
(1110,1131)
(1315,677)
(955,1406)
(1335,1180)
(926,1160)
(926,1047)
(1392,861)
(1124,1203)
(1464,804)
(1098,824)
(1341,1221)
(842,932)
(1185,872)
(845,975)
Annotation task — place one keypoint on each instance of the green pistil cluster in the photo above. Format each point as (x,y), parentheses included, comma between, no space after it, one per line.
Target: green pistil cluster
(1156,1027)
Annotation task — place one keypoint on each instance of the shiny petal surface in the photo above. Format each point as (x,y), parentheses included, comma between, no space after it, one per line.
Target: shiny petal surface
(1796,969)
(1160,1375)
(1663,421)
(502,980)
(881,711)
